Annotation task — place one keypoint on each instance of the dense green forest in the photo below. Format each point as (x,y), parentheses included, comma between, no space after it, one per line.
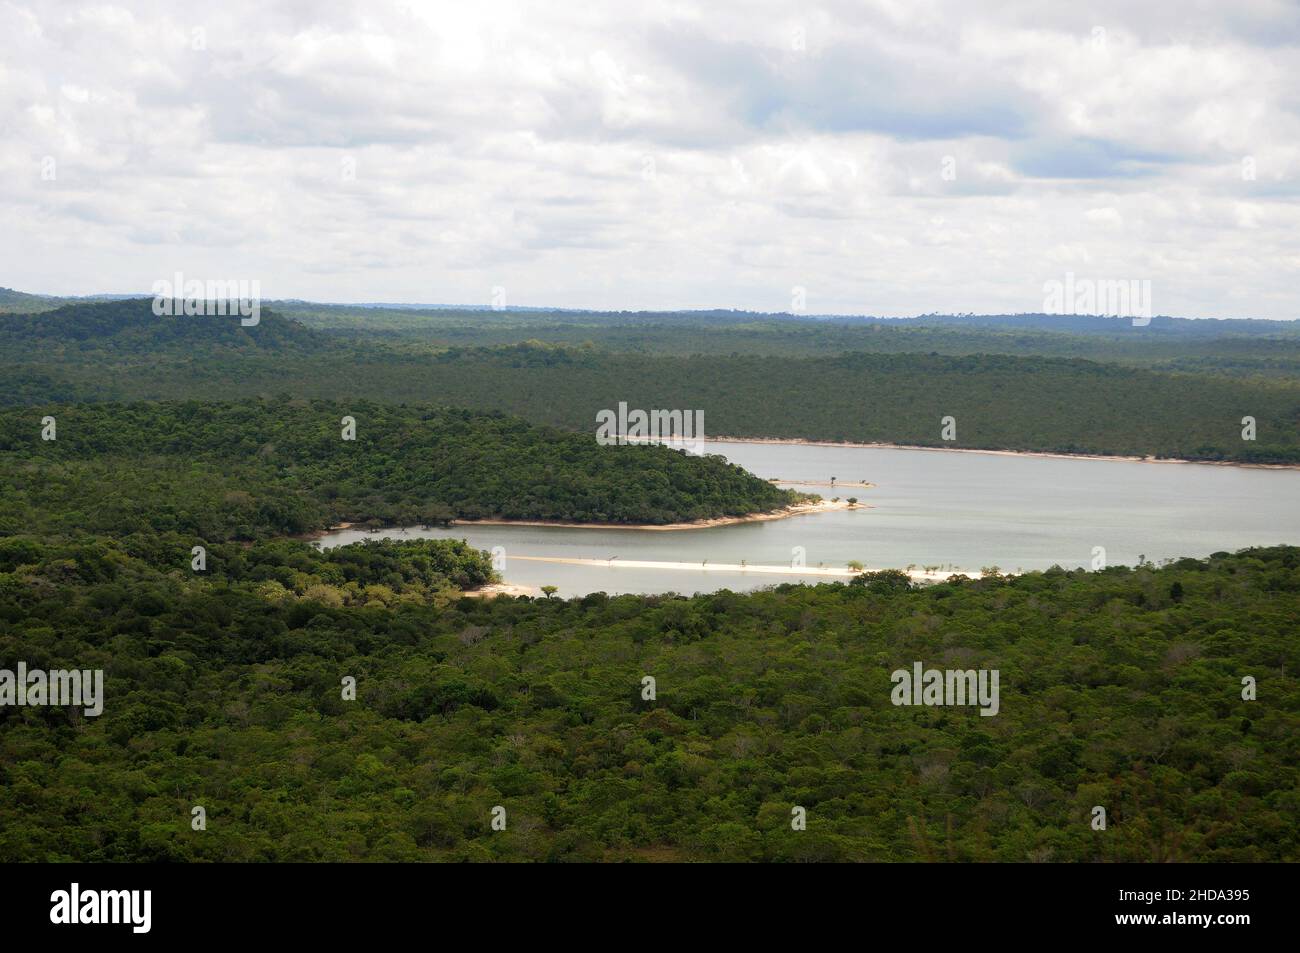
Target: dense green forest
(1170,395)
(1120,688)
(1229,356)
(248,469)
(1229,347)
(227,683)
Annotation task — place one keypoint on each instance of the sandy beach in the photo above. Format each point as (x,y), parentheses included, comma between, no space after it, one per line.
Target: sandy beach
(494,589)
(795,509)
(842,572)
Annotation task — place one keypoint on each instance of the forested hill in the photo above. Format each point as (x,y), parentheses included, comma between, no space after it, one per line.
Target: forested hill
(11,300)
(129,327)
(248,469)
(1230,354)
(998,402)
(1120,688)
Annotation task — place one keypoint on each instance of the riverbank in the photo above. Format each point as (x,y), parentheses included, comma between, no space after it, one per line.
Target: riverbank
(835,486)
(494,589)
(800,442)
(794,509)
(844,572)
(313,535)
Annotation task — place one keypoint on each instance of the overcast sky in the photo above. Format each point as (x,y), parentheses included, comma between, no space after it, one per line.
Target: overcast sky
(891,157)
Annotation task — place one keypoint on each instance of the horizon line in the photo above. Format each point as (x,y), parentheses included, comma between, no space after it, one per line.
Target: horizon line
(568,309)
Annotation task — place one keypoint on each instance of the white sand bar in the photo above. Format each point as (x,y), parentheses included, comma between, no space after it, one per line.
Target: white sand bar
(837,571)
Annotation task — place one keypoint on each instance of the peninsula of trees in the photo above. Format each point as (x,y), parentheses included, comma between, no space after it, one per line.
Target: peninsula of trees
(252,469)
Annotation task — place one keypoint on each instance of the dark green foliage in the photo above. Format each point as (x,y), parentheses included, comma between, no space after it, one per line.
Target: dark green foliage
(244,470)
(1165,393)
(120,329)
(224,690)
(1120,688)
(1232,347)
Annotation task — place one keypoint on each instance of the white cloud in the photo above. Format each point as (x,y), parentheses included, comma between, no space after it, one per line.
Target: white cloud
(429,151)
(1105,216)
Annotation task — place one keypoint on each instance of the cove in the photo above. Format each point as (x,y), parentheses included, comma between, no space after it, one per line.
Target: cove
(962,511)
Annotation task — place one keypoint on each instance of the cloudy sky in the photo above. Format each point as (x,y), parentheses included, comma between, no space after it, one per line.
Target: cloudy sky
(890,157)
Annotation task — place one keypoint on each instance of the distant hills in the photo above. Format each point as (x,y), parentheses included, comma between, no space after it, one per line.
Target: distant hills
(11,300)
(1162,325)
(1086,324)
(1176,388)
(128,326)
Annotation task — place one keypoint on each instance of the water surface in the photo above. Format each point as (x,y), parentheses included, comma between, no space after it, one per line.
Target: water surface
(928,508)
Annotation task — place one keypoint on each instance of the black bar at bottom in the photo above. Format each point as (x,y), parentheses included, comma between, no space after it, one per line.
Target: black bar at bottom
(912,901)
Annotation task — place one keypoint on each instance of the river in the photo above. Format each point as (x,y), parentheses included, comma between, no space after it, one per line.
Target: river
(962,511)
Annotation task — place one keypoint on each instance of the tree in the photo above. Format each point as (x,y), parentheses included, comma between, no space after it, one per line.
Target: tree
(550,591)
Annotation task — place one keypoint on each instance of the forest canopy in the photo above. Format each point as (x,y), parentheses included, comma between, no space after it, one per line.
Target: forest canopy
(253,468)
(227,682)
(1120,688)
(1182,390)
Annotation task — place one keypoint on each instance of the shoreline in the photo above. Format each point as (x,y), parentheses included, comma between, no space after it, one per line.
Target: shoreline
(315,534)
(834,486)
(1110,458)
(794,509)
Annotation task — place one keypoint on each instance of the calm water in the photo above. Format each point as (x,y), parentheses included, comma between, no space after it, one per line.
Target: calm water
(960,510)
